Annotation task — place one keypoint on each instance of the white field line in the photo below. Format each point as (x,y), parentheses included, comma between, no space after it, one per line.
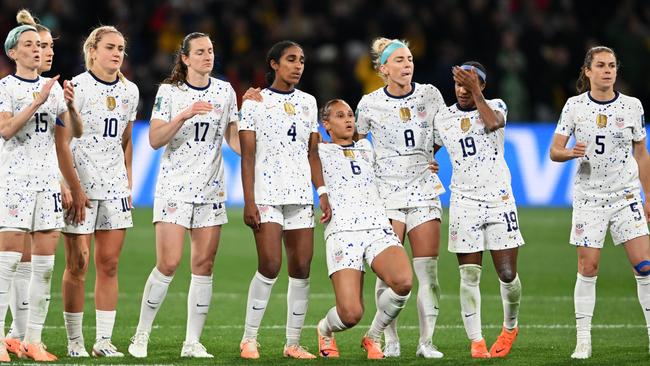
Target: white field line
(406,327)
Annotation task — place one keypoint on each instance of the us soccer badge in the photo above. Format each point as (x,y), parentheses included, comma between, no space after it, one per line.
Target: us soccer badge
(405,114)
(465,124)
(289,108)
(601,121)
(111,103)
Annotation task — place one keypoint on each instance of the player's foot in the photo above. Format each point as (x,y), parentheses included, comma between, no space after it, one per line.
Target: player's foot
(77,349)
(13,346)
(4,355)
(105,348)
(297,351)
(195,350)
(248,348)
(327,347)
(583,350)
(427,350)
(392,349)
(37,352)
(504,342)
(138,346)
(372,347)
(479,349)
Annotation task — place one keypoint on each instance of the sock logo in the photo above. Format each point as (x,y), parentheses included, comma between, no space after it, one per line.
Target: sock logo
(260,308)
(149,302)
(202,305)
(294,313)
(468,315)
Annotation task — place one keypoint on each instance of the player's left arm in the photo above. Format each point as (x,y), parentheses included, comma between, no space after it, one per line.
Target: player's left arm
(232,129)
(642,157)
(71,117)
(127,147)
(317,175)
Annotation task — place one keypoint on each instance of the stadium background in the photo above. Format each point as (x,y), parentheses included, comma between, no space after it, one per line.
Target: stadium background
(532,50)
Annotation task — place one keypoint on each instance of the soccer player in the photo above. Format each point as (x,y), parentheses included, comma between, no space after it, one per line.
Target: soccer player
(279,139)
(482,212)
(612,158)
(358,231)
(400,118)
(30,107)
(97,167)
(192,115)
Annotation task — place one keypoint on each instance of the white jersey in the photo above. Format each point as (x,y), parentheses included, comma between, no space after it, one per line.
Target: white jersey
(191,169)
(480,172)
(608,175)
(352,191)
(28,159)
(105,109)
(402,133)
(283,124)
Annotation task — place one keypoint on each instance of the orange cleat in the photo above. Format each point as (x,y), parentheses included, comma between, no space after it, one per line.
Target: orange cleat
(37,352)
(372,347)
(479,349)
(13,346)
(327,347)
(4,356)
(248,348)
(298,352)
(504,342)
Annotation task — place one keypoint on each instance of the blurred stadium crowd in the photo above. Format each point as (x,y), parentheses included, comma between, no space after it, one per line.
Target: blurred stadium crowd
(532,49)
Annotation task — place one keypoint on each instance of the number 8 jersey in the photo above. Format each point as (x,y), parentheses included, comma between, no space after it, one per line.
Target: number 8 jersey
(105,109)
(402,133)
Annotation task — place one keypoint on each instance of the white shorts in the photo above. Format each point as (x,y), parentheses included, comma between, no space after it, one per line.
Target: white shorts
(475,227)
(590,226)
(103,215)
(291,217)
(30,210)
(414,216)
(349,249)
(189,215)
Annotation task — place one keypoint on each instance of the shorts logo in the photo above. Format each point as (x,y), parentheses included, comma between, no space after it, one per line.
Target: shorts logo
(601,121)
(465,124)
(263,208)
(13,210)
(172,207)
(338,256)
(453,235)
(620,122)
(580,228)
(422,110)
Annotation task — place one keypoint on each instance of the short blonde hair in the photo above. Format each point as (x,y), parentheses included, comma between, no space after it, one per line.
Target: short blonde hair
(378,46)
(93,40)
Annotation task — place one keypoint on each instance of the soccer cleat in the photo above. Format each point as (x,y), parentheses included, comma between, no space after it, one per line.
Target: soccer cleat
(372,347)
(298,352)
(4,355)
(479,349)
(428,350)
(77,349)
(13,346)
(327,347)
(392,349)
(138,346)
(194,350)
(583,350)
(504,342)
(105,348)
(37,352)
(248,349)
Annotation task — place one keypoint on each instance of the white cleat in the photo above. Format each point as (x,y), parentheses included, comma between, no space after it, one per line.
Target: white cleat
(392,349)
(77,349)
(583,350)
(428,350)
(138,346)
(195,350)
(104,348)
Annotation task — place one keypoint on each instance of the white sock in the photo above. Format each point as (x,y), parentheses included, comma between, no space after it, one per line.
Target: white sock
(426,271)
(198,304)
(8,263)
(390,333)
(388,307)
(19,303)
(584,297)
(258,297)
(643,291)
(331,323)
(154,294)
(73,326)
(470,300)
(105,320)
(297,295)
(510,297)
(40,287)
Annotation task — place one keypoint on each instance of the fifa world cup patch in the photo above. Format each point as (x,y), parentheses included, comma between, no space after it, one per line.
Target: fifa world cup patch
(405,114)
(289,108)
(348,154)
(111,103)
(601,121)
(465,124)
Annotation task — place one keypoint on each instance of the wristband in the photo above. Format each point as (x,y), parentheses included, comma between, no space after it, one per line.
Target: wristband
(321,190)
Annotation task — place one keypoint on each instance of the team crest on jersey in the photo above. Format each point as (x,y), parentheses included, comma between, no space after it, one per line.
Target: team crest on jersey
(172,207)
(422,110)
(217,108)
(348,154)
(305,110)
(338,256)
(580,228)
(504,195)
(601,121)
(405,114)
(465,124)
(453,235)
(620,122)
(289,108)
(13,210)
(111,103)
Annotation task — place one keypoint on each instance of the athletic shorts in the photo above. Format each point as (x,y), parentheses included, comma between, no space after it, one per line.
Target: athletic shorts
(349,249)
(103,215)
(414,216)
(30,211)
(291,217)
(589,226)
(189,215)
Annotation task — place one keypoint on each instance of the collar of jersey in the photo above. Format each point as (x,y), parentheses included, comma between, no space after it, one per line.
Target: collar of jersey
(117,78)
(400,96)
(198,88)
(281,91)
(616,94)
(347,146)
(26,80)
(465,109)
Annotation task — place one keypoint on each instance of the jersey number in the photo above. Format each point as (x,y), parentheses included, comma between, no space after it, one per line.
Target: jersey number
(41,122)
(197,130)
(409,138)
(125,205)
(600,144)
(635,209)
(468,146)
(356,170)
(57,202)
(292,132)
(511,220)
(110,127)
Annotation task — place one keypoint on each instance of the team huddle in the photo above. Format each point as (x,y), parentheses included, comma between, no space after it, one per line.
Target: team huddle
(373,195)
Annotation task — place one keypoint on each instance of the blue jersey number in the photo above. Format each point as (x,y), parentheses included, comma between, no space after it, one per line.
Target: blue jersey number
(511,220)
(292,132)
(468,146)
(41,122)
(356,170)
(110,127)
(409,138)
(600,145)
(197,130)
(57,202)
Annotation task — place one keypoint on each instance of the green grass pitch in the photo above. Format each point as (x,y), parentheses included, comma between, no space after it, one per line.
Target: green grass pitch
(547,267)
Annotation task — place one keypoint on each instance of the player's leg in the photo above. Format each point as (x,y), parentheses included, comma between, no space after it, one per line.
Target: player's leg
(470,268)
(77,256)
(11,247)
(638,253)
(505,263)
(19,299)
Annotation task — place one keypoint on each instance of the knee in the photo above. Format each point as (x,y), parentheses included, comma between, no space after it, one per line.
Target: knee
(202,266)
(168,266)
(402,284)
(107,267)
(76,268)
(350,314)
(507,275)
(588,268)
(269,268)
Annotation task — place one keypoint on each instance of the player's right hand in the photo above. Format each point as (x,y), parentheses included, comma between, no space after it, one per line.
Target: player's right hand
(199,107)
(579,150)
(66,197)
(45,91)
(77,213)
(254,94)
(252,216)
(434,167)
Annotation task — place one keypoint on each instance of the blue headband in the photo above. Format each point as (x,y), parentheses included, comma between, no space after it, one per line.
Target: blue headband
(12,37)
(392,46)
(480,73)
